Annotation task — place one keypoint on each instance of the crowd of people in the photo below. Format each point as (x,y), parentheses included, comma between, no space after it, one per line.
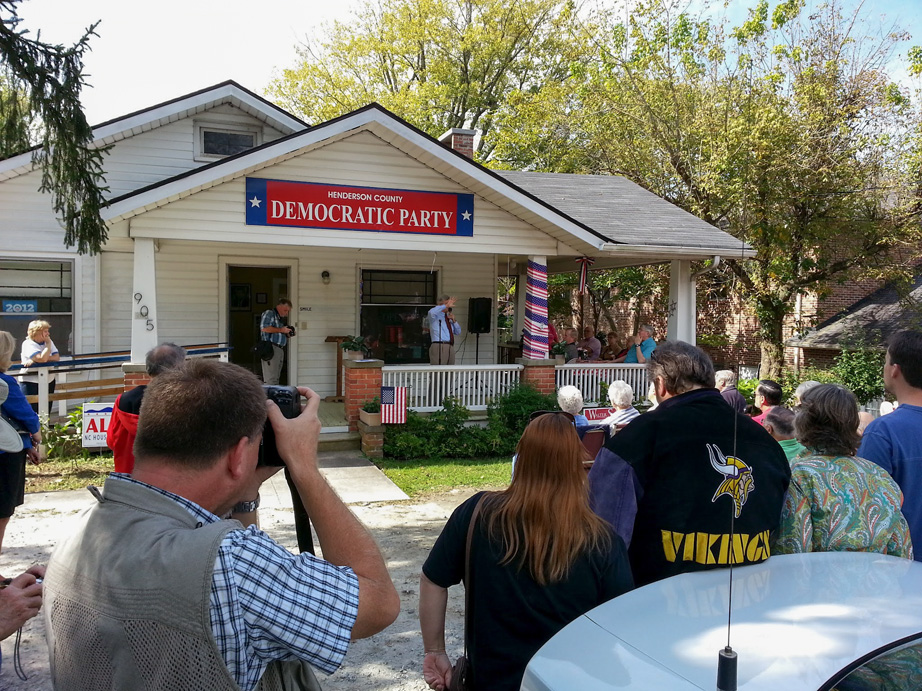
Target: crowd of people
(696,483)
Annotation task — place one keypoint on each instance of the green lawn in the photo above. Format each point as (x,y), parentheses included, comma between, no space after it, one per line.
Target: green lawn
(58,475)
(413,477)
(429,475)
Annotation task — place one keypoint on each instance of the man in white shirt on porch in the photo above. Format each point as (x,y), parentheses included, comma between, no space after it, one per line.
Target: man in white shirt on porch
(442,330)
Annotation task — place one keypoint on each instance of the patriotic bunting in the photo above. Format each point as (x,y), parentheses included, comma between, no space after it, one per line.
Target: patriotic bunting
(534,345)
(585,263)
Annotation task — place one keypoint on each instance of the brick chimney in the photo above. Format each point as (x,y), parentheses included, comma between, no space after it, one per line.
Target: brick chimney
(460,140)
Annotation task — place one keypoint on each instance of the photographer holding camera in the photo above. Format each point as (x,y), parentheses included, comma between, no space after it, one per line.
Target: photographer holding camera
(173,593)
(272,328)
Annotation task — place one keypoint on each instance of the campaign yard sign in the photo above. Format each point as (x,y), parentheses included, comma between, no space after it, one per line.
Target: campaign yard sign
(96,418)
(346,207)
(598,414)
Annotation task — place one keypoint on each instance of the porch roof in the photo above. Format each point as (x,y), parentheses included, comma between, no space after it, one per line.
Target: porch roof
(634,219)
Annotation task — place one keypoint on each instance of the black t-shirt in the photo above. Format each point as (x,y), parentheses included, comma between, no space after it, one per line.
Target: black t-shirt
(694,485)
(512,615)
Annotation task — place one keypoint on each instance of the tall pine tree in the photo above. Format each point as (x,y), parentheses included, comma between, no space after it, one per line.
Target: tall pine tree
(40,86)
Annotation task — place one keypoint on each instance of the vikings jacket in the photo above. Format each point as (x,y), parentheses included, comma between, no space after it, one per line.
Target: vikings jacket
(686,471)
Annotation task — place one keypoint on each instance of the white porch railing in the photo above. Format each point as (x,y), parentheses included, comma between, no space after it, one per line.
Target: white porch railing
(82,377)
(473,385)
(586,376)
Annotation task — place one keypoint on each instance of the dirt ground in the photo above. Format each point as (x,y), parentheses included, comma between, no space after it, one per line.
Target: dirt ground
(389,661)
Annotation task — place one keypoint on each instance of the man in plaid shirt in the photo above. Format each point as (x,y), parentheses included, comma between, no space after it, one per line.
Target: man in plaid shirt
(180,597)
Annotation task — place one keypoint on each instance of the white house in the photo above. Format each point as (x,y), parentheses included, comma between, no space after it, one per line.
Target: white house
(221,202)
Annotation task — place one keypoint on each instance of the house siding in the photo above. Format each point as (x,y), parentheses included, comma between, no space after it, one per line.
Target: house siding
(362,160)
(189,289)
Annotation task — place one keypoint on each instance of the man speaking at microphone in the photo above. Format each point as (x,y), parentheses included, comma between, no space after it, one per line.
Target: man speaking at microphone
(442,330)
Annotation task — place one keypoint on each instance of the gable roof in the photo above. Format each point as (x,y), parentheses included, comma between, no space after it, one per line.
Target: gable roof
(880,314)
(526,195)
(229,92)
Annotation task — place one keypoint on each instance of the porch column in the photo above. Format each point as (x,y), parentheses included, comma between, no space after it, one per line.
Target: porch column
(534,345)
(519,304)
(144,300)
(682,314)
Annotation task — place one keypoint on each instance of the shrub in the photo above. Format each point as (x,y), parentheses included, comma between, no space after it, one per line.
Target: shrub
(862,372)
(443,434)
(512,410)
(64,440)
(747,387)
(790,381)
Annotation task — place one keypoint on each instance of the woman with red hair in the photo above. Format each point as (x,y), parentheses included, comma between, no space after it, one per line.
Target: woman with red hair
(539,559)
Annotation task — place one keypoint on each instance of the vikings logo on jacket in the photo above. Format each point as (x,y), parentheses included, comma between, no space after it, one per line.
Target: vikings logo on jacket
(737,482)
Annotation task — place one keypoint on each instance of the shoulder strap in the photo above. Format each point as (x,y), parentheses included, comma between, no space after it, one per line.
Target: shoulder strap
(468,585)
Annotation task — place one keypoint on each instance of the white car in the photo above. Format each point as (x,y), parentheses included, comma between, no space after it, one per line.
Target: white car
(799,621)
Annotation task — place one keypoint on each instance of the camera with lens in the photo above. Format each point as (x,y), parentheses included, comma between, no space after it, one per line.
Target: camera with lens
(292,330)
(288,399)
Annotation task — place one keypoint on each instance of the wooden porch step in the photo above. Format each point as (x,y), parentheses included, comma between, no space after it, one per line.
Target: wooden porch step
(340,441)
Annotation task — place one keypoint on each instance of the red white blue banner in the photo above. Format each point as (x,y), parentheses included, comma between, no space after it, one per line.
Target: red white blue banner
(342,207)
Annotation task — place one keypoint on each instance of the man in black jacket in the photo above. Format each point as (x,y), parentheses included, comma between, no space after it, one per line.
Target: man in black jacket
(678,476)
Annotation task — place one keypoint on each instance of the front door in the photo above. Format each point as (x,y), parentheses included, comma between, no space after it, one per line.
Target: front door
(252,290)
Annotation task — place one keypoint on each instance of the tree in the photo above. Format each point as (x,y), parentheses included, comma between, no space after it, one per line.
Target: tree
(784,131)
(40,86)
(437,63)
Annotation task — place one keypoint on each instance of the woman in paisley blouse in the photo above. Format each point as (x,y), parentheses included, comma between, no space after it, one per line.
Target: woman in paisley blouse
(837,501)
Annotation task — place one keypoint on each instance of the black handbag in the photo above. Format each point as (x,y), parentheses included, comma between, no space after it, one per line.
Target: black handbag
(461,671)
(263,350)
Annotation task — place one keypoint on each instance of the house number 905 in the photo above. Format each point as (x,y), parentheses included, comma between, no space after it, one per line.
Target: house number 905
(143,311)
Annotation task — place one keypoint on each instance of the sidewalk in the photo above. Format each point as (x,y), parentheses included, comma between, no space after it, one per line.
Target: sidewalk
(355,479)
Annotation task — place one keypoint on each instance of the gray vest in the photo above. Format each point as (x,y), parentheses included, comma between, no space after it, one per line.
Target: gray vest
(126,601)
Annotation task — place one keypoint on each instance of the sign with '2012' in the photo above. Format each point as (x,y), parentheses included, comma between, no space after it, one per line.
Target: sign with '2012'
(20,306)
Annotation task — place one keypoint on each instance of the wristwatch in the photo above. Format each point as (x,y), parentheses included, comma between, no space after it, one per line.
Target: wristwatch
(246,506)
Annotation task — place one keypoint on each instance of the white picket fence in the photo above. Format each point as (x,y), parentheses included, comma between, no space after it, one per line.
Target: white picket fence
(586,376)
(474,385)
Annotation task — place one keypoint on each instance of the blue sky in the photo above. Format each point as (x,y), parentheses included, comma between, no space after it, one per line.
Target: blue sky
(151,52)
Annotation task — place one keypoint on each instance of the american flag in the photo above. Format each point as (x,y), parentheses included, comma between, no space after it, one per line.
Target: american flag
(393,405)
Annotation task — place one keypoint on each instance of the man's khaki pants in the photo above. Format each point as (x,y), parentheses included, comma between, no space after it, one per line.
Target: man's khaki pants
(441,354)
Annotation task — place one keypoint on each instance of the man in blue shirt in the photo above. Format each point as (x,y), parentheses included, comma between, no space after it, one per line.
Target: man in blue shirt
(442,330)
(894,441)
(643,346)
(273,328)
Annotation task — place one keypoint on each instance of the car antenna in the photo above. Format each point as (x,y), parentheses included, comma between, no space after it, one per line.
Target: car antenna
(727,658)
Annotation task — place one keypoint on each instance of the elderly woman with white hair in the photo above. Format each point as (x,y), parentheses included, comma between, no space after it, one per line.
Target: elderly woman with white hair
(620,395)
(570,400)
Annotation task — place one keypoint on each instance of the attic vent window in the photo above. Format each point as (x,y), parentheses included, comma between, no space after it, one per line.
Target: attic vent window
(218,142)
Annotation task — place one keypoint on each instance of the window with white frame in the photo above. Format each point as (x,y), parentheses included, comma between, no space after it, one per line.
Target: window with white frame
(37,289)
